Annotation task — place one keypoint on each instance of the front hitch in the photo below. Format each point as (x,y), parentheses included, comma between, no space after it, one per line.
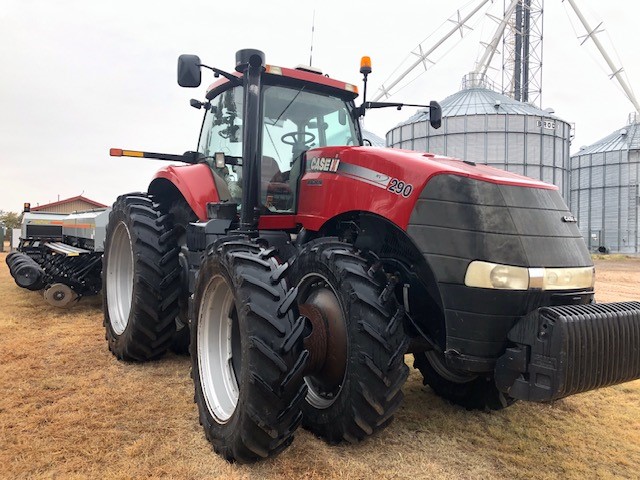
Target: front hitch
(564,350)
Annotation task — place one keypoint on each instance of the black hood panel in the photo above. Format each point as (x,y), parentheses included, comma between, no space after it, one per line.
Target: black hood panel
(462,218)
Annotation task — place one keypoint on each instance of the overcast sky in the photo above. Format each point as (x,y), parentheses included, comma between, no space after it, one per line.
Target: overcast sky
(79,77)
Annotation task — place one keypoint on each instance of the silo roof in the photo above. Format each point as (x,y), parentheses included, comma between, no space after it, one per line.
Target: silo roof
(480,101)
(376,140)
(626,138)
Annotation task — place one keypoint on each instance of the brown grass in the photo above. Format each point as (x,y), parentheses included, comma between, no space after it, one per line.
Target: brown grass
(68,409)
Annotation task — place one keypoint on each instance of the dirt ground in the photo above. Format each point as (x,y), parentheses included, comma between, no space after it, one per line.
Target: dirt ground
(68,409)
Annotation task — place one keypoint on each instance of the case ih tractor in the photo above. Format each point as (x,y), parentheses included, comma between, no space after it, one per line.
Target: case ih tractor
(305,265)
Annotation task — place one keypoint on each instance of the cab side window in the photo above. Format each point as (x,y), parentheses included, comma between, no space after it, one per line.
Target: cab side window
(222,132)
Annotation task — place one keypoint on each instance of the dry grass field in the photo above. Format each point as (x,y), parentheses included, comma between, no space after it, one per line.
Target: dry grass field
(68,409)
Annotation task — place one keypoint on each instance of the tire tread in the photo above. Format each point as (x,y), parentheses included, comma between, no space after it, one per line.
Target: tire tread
(154,306)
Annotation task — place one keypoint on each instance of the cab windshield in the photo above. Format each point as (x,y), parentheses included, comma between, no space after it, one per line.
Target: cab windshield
(295,120)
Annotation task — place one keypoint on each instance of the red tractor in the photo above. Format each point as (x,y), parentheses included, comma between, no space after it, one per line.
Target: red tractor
(301,265)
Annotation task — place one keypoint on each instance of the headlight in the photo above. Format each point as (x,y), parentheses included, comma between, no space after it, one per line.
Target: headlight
(507,277)
(492,275)
(568,278)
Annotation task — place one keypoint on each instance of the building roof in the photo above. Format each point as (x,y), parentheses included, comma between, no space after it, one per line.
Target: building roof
(79,198)
(626,138)
(480,101)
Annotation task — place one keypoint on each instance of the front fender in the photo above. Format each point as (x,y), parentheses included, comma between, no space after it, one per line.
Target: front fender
(195,183)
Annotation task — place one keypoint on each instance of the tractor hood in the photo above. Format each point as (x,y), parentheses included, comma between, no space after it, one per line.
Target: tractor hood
(420,166)
(381,165)
(384,181)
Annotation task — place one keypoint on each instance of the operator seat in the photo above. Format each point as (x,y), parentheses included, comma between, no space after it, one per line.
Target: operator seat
(274,186)
(270,171)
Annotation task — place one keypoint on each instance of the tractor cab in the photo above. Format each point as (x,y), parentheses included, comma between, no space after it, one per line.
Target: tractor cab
(299,111)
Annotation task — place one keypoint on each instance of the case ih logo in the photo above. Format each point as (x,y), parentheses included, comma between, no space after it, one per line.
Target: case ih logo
(322,164)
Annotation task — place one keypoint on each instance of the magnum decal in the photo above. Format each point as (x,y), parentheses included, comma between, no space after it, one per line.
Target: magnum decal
(362,174)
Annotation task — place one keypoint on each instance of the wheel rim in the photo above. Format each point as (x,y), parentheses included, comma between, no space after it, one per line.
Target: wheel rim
(324,387)
(218,339)
(120,278)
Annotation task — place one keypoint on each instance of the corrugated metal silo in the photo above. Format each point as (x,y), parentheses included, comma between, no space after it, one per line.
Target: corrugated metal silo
(486,127)
(605,195)
(374,139)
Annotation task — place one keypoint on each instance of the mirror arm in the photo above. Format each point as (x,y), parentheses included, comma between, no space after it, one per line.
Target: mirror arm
(232,78)
(435,123)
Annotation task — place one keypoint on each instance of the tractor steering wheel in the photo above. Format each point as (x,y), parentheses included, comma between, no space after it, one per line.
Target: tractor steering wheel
(308,138)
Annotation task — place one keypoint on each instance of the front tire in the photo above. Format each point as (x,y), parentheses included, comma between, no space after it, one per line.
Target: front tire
(247,353)
(473,392)
(140,278)
(355,387)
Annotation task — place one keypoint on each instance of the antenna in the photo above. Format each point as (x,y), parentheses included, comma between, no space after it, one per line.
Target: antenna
(313,27)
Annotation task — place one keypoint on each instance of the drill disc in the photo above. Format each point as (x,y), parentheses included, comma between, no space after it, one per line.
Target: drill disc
(60,295)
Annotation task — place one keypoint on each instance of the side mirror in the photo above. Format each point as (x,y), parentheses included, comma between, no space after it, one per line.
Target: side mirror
(198,104)
(435,114)
(189,74)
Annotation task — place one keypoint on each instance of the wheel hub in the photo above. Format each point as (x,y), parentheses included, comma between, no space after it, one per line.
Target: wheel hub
(316,341)
(327,342)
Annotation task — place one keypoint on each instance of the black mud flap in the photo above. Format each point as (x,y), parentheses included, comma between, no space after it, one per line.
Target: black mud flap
(560,351)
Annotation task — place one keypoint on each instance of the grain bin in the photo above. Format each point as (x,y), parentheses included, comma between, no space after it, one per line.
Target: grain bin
(604,190)
(487,127)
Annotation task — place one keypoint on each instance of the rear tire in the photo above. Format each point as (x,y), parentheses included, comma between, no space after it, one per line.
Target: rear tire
(140,278)
(181,215)
(247,352)
(471,392)
(329,274)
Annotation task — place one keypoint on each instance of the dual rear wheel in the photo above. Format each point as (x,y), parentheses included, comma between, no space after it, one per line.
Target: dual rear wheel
(259,367)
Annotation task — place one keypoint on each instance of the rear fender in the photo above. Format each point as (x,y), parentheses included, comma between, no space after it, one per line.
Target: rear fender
(194,182)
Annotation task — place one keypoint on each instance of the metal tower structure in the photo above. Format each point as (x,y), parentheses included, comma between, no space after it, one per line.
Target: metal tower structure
(522,52)
(616,72)
(520,29)
(422,52)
